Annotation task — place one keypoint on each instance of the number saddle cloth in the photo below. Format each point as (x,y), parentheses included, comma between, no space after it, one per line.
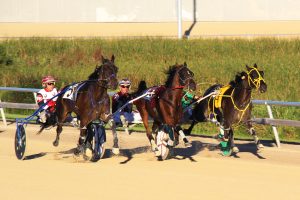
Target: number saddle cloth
(72,92)
(154,94)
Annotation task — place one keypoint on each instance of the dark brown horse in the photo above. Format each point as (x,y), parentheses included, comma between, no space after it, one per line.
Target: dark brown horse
(92,100)
(235,106)
(165,108)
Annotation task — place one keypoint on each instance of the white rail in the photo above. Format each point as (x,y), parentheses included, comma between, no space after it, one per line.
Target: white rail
(265,121)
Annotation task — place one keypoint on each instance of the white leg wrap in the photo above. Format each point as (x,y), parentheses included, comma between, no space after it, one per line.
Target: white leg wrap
(182,134)
(221,130)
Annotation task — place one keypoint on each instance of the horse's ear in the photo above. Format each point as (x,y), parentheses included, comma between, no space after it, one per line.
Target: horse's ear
(248,68)
(112,58)
(184,64)
(255,66)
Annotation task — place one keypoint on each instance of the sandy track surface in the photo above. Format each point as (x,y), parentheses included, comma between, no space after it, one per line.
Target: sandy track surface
(195,173)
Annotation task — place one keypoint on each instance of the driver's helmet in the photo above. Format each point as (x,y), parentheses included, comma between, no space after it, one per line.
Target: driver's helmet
(125,82)
(48,79)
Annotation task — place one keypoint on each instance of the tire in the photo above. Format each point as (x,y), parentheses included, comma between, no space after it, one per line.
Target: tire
(96,156)
(98,142)
(20,142)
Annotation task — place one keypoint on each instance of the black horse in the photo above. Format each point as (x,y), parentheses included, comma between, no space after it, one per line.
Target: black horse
(234,105)
(92,100)
(165,107)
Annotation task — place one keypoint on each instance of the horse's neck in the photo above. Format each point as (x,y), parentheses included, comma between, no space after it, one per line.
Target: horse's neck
(99,91)
(241,96)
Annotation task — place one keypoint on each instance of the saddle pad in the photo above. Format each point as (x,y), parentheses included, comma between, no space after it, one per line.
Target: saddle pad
(218,98)
(156,92)
(72,92)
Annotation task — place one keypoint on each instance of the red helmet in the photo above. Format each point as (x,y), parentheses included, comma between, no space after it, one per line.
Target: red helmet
(48,79)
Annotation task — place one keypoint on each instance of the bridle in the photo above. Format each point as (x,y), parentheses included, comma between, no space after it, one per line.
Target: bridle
(183,81)
(256,81)
(105,80)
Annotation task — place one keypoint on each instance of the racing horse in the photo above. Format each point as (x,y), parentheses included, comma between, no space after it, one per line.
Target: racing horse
(231,105)
(165,107)
(92,101)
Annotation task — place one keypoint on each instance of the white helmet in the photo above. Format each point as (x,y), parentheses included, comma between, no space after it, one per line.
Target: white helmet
(125,82)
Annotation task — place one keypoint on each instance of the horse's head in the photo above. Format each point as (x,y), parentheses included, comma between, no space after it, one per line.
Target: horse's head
(185,77)
(256,78)
(106,73)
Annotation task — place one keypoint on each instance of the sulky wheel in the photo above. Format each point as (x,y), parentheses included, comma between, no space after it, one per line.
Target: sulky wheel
(20,142)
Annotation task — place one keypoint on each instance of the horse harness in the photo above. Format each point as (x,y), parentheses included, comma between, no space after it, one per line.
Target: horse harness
(217,99)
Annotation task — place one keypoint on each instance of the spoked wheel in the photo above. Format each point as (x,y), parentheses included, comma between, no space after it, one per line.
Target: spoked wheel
(98,141)
(20,142)
(162,144)
(97,154)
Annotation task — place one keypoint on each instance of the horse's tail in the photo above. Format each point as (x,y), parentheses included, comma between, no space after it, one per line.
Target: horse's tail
(212,89)
(141,88)
(51,121)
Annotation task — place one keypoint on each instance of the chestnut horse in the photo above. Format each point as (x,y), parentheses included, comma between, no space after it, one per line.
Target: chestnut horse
(235,105)
(165,109)
(92,100)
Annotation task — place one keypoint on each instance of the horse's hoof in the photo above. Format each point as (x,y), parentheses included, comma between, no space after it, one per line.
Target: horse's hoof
(157,153)
(55,143)
(235,150)
(116,151)
(187,144)
(78,151)
(260,147)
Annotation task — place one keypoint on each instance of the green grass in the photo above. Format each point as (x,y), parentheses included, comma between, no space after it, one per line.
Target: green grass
(23,62)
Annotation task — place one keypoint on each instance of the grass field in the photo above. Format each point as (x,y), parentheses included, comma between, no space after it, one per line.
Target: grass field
(23,62)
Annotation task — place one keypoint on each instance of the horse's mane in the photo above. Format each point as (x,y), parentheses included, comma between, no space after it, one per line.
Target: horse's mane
(95,74)
(171,73)
(238,79)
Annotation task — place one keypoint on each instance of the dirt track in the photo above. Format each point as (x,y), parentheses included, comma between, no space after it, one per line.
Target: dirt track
(195,173)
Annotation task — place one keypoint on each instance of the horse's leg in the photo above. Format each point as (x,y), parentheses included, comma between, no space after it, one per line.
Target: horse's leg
(252,132)
(179,130)
(149,133)
(232,144)
(189,130)
(223,132)
(115,148)
(82,139)
(61,116)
